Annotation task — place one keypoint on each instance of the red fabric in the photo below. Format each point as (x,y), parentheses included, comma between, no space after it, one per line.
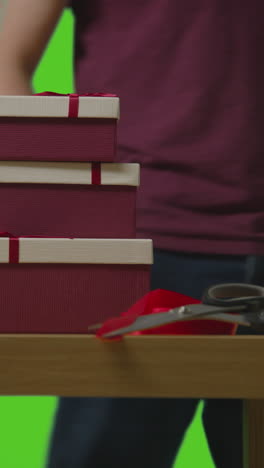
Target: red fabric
(161,301)
(190,80)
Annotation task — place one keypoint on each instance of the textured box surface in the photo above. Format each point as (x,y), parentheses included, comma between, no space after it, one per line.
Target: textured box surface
(39,128)
(68,199)
(65,285)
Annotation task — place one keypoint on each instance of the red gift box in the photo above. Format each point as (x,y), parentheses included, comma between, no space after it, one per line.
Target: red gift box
(52,127)
(65,285)
(62,199)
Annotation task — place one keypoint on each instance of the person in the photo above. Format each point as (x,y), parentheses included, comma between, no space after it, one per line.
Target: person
(189,75)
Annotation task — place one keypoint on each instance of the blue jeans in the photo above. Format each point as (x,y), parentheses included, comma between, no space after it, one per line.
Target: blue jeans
(147,433)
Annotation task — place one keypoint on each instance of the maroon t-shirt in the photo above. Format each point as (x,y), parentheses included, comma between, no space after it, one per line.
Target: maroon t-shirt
(190,76)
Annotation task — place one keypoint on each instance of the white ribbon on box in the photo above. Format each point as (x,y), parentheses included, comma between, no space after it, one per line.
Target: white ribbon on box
(68,173)
(89,251)
(58,106)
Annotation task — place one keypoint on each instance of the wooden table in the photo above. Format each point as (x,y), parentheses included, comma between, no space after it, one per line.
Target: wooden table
(150,366)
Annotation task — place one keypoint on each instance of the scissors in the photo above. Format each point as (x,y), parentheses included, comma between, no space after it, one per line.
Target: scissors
(238,303)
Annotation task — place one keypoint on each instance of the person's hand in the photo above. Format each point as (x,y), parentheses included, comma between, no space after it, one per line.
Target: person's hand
(14,82)
(25,30)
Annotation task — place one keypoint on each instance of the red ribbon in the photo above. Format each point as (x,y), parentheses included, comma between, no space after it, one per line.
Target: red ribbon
(13,247)
(96,173)
(73,111)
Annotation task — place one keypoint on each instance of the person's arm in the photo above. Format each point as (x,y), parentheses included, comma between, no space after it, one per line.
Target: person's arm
(24,32)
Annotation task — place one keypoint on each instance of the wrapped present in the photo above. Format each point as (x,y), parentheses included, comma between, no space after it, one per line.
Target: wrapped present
(53,127)
(62,199)
(60,285)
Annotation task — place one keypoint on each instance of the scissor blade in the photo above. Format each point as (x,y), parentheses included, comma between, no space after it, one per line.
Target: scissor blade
(184,313)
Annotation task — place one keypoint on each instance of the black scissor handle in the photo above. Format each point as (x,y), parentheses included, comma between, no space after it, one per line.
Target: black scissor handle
(232,294)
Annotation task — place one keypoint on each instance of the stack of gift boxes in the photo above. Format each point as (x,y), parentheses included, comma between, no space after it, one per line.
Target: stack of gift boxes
(69,256)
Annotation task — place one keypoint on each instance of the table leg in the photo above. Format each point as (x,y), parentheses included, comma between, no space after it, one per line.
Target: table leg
(253,433)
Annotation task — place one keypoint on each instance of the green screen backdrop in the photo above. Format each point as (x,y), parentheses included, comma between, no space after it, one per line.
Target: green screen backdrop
(26,421)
